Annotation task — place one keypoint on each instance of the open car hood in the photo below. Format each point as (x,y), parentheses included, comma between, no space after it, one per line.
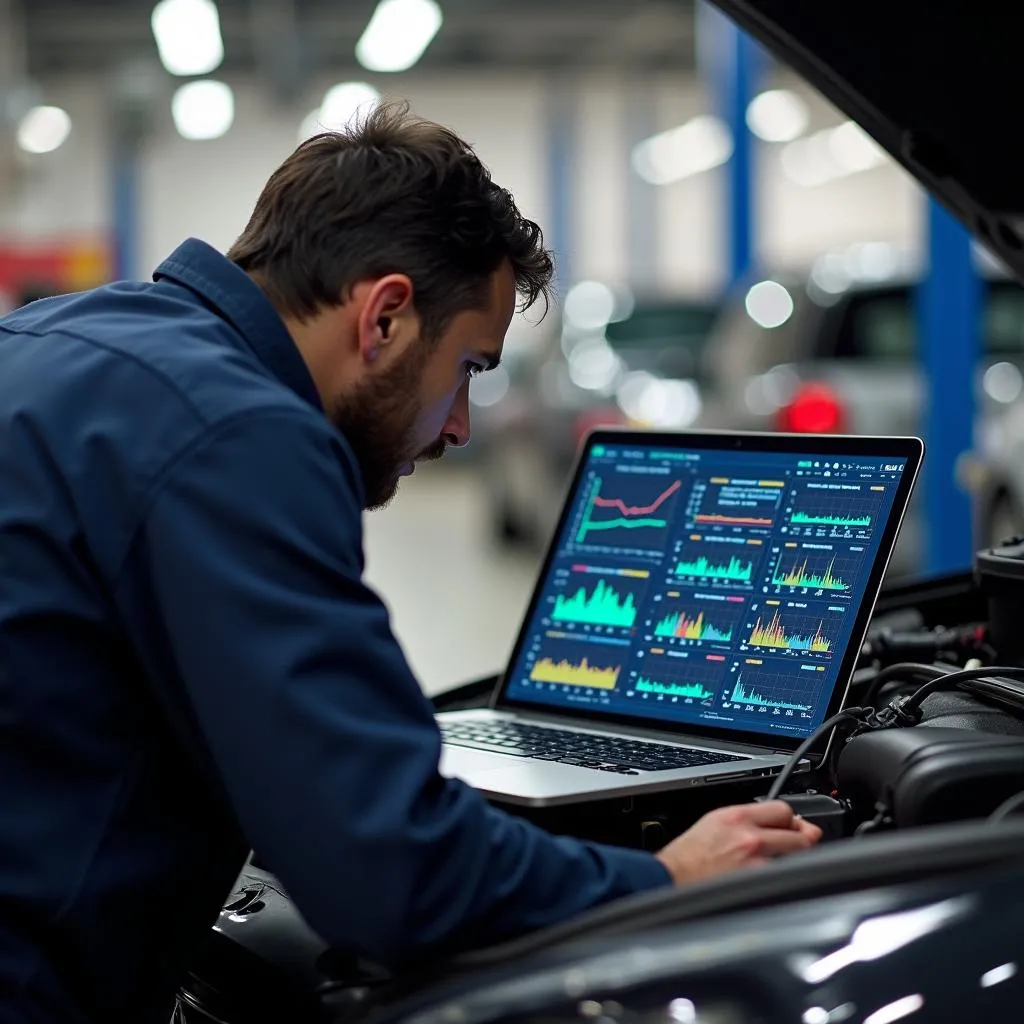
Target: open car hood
(938,86)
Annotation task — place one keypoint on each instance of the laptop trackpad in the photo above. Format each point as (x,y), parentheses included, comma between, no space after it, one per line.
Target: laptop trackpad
(468,765)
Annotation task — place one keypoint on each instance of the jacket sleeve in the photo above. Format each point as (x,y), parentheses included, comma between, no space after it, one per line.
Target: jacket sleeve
(322,737)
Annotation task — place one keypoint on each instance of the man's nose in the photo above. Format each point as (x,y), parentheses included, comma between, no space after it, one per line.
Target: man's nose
(456,428)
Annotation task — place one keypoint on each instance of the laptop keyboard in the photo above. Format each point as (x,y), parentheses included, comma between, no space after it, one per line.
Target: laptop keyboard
(620,755)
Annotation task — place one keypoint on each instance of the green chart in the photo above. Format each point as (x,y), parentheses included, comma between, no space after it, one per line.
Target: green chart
(803,519)
(692,690)
(604,607)
(735,570)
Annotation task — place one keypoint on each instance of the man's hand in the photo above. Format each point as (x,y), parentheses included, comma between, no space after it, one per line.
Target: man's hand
(737,837)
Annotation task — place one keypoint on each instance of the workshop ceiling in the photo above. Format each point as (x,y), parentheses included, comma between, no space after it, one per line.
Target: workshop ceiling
(289,38)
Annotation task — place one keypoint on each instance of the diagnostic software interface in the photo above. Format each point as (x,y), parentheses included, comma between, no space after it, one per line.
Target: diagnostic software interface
(707,587)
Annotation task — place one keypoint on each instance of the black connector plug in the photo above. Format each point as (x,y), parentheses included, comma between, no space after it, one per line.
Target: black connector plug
(824,811)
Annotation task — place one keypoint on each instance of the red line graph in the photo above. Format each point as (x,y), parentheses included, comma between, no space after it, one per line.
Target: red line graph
(638,510)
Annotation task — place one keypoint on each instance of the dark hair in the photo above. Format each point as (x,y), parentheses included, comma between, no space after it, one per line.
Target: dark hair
(389,194)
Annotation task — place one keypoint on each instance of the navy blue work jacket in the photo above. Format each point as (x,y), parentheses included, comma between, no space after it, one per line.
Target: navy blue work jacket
(191,666)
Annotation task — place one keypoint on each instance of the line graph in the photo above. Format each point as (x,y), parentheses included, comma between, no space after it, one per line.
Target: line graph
(723,502)
(636,511)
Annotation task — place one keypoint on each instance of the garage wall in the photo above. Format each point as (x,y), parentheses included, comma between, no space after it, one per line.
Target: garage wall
(208,189)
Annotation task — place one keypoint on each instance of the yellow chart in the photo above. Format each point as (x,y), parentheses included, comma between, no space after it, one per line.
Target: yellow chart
(571,673)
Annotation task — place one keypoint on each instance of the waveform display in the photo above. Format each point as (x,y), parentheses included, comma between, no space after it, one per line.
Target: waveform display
(630,517)
(692,690)
(735,570)
(604,607)
(774,635)
(569,673)
(801,576)
(714,518)
(681,625)
(741,695)
(807,519)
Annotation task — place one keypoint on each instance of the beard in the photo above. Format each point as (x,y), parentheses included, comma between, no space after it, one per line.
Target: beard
(378,419)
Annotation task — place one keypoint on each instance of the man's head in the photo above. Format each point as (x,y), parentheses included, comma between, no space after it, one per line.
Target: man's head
(395,261)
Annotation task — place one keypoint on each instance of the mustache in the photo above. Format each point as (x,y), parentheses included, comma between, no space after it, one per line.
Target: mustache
(434,452)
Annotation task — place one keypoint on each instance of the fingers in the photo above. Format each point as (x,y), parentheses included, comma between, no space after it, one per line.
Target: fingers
(811,831)
(776,842)
(769,814)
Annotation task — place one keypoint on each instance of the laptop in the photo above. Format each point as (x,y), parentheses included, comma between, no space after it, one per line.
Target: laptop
(698,614)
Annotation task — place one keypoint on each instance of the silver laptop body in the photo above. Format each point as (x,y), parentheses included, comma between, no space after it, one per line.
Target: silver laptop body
(697,616)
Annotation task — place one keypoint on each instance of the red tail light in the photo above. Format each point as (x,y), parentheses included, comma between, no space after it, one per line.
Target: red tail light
(814,409)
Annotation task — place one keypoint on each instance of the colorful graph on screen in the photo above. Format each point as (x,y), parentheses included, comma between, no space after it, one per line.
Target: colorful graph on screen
(603,606)
(604,514)
(735,570)
(773,634)
(742,694)
(691,691)
(679,624)
(848,522)
(570,673)
(801,574)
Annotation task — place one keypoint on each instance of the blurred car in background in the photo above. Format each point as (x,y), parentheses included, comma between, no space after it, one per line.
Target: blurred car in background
(608,358)
(835,351)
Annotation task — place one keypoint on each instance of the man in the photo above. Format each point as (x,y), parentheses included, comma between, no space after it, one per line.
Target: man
(190,665)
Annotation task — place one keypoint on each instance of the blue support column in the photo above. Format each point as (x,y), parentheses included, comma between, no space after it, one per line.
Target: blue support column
(949,317)
(561,145)
(125,205)
(732,64)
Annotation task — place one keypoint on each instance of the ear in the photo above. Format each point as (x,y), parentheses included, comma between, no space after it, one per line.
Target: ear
(386,313)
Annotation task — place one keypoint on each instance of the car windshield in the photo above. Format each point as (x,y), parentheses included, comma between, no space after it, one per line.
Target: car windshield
(667,338)
(881,325)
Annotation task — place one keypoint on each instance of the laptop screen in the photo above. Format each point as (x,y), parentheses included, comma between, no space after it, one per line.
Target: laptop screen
(712,587)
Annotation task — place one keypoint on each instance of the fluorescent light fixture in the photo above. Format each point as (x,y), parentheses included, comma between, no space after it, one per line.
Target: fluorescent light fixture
(203,110)
(340,105)
(896,1011)
(187,34)
(777,115)
(43,129)
(699,145)
(344,102)
(831,154)
(398,33)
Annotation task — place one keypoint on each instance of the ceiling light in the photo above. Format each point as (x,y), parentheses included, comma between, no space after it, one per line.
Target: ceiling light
(187,34)
(203,110)
(777,115)
(699,145)
(398,33)
(831,154)
(853,149)
(43,129)
(345,101)
(769,304)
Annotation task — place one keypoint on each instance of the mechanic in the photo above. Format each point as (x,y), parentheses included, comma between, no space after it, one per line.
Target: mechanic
(190,665)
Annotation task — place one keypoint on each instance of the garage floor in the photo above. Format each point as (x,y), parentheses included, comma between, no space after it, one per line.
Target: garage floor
(455,600)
